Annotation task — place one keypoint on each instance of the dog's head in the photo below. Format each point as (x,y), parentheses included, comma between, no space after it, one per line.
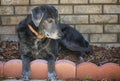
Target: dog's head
(45,18)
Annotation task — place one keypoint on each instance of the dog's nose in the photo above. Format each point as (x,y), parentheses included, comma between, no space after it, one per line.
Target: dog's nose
(47,34)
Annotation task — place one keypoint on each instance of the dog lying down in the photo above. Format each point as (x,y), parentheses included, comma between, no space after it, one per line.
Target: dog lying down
(42,37)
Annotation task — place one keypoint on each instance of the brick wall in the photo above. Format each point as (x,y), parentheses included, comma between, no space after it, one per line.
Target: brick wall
(97,20)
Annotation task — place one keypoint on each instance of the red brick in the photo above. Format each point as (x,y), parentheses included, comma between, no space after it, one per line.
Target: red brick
(39,69)
(1,69)
(88,70)
(110,71)
(13,68)
(65,69)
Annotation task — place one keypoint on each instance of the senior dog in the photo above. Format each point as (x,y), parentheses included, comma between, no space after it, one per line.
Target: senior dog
(42,37)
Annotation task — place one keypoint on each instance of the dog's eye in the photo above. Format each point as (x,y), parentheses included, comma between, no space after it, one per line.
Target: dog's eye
(50,20)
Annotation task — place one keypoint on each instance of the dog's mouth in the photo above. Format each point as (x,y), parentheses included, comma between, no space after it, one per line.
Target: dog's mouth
(53,35)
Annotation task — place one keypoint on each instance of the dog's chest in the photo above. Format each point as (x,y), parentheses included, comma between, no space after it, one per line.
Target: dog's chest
(42,48)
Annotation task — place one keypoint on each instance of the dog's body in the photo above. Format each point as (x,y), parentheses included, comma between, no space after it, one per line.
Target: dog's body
(59,38)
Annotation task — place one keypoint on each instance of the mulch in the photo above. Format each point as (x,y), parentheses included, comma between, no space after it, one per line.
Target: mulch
(101,55)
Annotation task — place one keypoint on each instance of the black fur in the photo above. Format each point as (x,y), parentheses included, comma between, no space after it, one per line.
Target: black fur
(69,41)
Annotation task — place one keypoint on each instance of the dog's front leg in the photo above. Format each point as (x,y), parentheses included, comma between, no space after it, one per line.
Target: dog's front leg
(25,67)
(51,69)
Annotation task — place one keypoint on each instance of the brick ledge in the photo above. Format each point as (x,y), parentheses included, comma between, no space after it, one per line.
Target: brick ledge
(65,69)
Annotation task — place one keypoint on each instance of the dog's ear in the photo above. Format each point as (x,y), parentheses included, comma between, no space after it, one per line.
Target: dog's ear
(37,15)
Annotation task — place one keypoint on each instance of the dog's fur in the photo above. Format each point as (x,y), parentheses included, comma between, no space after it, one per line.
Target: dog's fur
(60,38)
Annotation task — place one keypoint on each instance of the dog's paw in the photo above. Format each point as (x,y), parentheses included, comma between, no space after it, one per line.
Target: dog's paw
(89,51)
(25,78)
(52,76)
(81,59)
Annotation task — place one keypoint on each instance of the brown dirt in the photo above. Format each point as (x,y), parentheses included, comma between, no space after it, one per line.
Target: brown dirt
(101,55)
(9,50)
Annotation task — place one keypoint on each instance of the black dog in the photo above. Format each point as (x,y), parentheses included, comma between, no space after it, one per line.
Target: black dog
(42,37)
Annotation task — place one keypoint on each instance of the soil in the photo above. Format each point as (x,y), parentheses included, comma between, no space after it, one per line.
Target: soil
(101,55)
